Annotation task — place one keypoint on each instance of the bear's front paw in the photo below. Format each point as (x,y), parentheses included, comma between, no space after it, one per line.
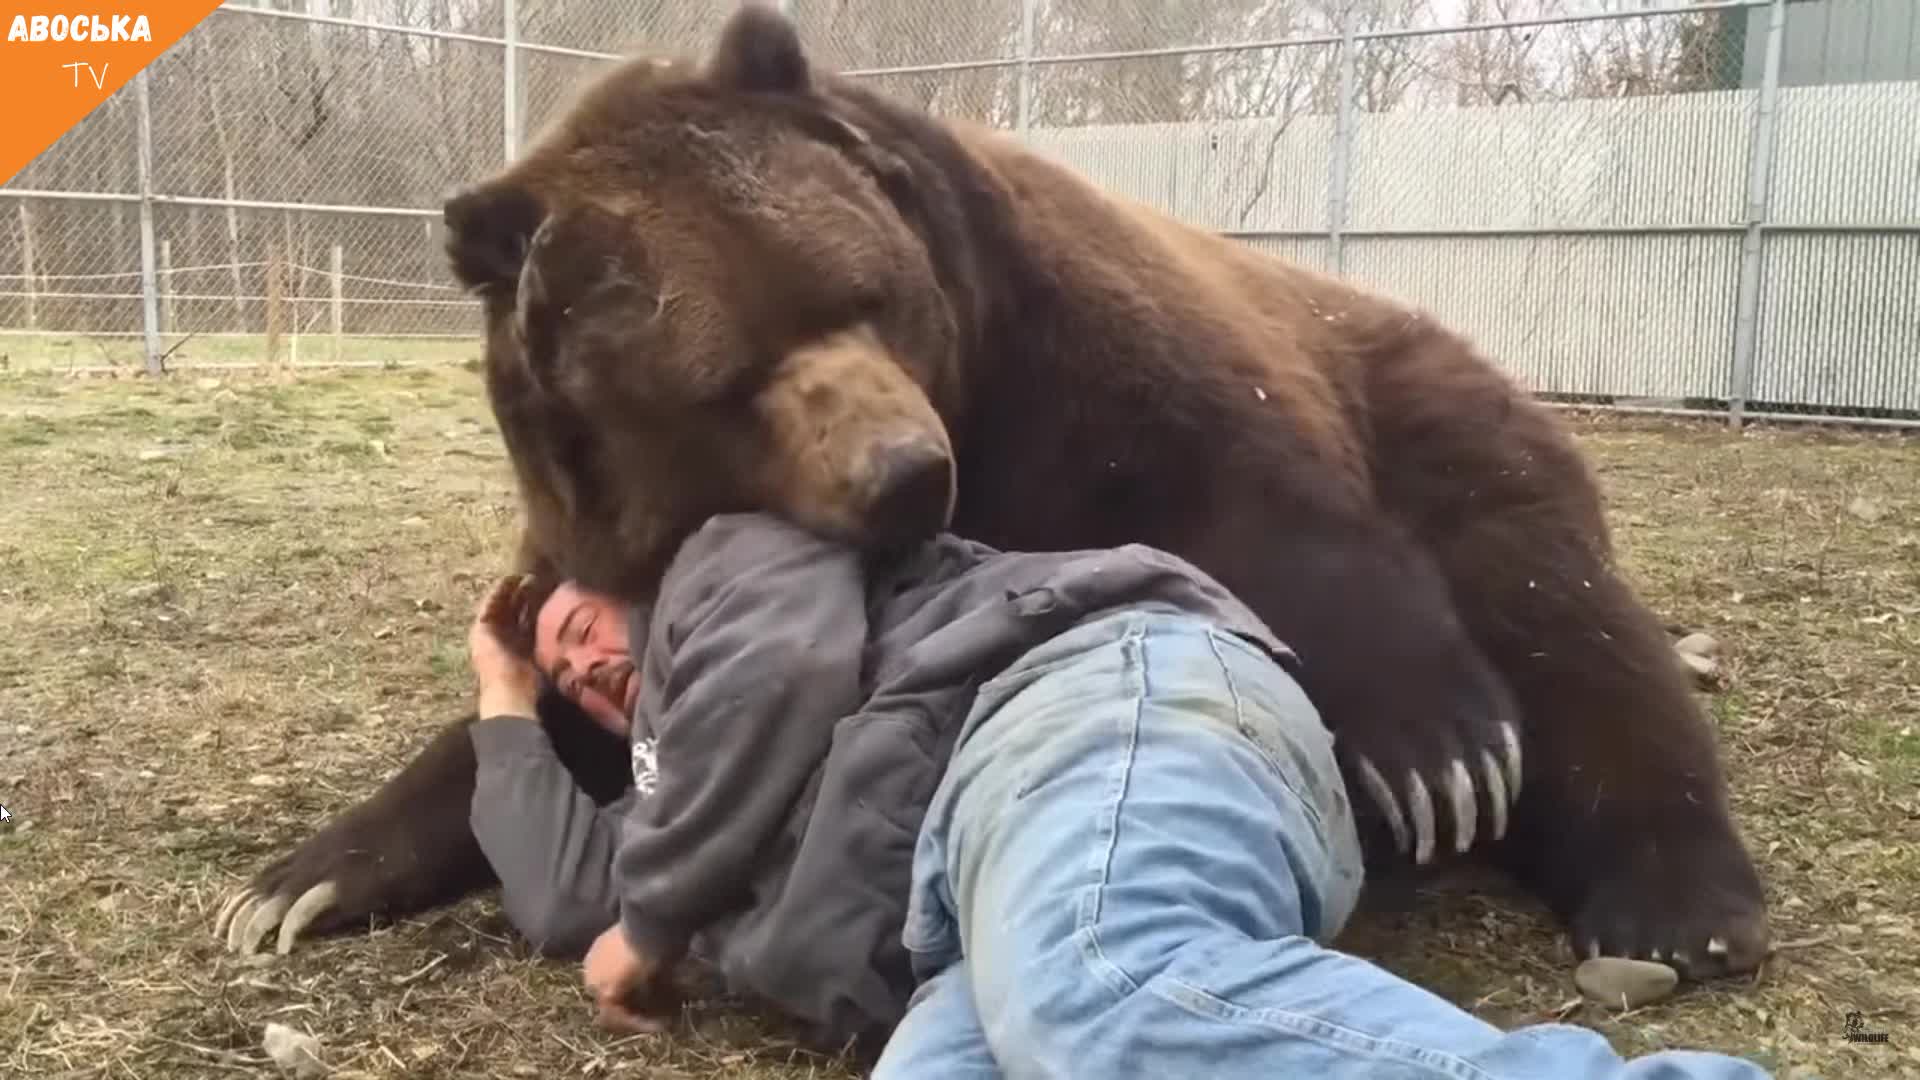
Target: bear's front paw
(1405,795)
(299,892)
(372,860)
(1433,757)
(1700,912)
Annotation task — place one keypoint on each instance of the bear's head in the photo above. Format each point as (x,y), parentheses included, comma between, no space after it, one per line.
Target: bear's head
(715,288)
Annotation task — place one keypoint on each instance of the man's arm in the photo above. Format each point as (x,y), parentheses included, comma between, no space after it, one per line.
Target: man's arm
(754,656)
(551,846)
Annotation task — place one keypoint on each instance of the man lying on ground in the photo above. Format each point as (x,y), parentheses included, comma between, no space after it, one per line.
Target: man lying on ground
(549,843)
(1113,819)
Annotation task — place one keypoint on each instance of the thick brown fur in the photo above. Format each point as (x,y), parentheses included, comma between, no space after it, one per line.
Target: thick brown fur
(1050,367)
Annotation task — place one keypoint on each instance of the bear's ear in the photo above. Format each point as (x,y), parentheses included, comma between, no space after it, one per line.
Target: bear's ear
(760,51)
(488,228)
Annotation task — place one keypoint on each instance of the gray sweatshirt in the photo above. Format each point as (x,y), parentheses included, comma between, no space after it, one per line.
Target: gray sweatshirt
(800,705)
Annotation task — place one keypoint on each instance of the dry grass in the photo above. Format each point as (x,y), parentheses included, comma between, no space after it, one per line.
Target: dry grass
(233,607)
(308,343)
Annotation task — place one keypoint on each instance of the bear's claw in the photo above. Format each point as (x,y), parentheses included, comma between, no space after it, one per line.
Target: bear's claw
(1420,809)
(1510,740)
(1465,812)
(1498,793)
(247,917)
(1377,787)
(1411,818)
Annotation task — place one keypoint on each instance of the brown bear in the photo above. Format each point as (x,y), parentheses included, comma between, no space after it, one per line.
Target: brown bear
(749,284)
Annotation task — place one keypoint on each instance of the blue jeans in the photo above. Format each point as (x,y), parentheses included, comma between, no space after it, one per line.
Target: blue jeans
(1130,869)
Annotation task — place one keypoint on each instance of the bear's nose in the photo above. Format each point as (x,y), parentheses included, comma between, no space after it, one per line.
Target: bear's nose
(911,495)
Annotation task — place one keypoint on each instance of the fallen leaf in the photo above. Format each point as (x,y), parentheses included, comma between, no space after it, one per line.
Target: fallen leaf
(1866,509)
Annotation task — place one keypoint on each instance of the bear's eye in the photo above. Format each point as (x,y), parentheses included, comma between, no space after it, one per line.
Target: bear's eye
(868,305)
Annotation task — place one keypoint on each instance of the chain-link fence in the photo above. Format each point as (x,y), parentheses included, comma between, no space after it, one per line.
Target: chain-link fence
(1707,208)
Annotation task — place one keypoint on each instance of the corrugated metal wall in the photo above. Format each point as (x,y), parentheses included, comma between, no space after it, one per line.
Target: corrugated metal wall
(1840,308)
(1591,247)
(1838,41)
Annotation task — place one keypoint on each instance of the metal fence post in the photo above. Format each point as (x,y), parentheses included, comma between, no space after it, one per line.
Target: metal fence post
(26,265)
(1024,113)
(1746,326)
(1339,168)
(510,88)
(168,324)
(149,295)
(339,305)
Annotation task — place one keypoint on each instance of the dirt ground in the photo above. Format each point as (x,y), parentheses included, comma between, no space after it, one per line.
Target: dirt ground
(232,607)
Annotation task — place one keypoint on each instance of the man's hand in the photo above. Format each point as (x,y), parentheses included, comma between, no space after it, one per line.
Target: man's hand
(619,976)
(500,646)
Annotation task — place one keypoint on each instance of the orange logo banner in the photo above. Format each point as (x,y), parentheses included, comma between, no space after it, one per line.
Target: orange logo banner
(61,58)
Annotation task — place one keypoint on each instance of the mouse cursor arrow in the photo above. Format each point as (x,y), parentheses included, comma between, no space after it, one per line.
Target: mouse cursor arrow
(5,814)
